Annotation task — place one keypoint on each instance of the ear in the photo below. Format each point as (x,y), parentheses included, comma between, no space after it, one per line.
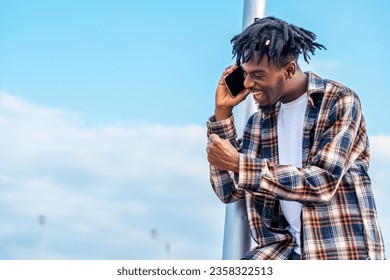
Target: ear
(290,69)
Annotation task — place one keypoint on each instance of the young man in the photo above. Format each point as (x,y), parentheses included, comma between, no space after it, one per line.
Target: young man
(303,160)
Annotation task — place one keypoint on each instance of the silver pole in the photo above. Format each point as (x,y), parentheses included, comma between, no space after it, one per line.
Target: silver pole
(237,240)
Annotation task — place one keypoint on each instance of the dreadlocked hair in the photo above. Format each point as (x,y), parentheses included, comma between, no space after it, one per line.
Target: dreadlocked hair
(281,41)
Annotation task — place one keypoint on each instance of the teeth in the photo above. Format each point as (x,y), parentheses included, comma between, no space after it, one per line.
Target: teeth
(256,92)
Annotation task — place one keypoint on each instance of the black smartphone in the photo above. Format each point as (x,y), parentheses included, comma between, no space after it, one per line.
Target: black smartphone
(235,82)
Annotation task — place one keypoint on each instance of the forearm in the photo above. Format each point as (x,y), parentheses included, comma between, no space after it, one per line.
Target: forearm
(224,182)
(306,185)
(315,183)
(222,113)
(225,129)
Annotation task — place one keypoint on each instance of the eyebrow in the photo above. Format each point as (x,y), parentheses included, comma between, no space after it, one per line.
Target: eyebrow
(254,71)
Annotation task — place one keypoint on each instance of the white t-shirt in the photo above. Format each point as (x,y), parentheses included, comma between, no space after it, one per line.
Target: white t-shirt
(290,135)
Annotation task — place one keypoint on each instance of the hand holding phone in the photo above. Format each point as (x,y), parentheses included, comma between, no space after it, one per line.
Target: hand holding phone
(230,92)
(235,82)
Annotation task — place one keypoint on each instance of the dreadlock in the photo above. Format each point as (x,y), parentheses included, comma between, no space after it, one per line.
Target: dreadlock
(281,41)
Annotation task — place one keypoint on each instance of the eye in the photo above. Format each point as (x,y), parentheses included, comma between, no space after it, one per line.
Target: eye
(257,75)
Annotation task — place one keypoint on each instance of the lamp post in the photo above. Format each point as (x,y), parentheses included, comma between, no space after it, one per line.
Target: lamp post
(42,223)
(237,240)
(167,245)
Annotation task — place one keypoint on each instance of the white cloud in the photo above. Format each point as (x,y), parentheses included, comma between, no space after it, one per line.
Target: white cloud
(109,184)
(380,147)
(379,172)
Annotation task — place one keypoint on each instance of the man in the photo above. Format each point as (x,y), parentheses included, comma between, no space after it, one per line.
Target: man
(302,162)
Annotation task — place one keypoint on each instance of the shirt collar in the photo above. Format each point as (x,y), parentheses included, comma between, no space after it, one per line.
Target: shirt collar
(315,90)
(315,87)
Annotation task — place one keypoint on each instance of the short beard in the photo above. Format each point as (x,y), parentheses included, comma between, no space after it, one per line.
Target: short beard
(264,108)
(279,87)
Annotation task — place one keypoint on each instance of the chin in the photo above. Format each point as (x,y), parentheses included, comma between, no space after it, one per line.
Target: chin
(266,107)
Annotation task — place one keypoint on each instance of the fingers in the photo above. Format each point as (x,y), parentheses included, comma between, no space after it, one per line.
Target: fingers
(222,154)
(230,68)
(227,71)
(243,95)
(212,139)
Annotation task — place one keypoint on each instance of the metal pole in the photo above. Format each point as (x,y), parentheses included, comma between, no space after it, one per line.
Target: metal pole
(237,240)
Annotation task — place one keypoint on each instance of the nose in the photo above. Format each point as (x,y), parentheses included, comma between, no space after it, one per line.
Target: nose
(248,82)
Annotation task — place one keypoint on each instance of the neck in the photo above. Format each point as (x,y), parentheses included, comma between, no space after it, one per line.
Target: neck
(298,86)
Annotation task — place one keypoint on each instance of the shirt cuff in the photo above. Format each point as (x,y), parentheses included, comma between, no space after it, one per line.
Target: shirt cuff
(224,128)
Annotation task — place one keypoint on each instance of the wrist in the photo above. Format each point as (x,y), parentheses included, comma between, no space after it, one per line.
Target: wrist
(236,166)
(223,113)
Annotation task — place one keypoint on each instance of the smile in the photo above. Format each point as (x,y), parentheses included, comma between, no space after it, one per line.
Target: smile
(257,94)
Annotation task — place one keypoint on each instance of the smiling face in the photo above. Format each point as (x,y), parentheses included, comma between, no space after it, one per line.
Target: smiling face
(266,82)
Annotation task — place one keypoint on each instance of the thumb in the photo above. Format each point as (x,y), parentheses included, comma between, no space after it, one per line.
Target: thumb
(243,95)
(214,138)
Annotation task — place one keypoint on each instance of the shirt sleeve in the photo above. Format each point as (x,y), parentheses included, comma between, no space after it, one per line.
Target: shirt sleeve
(342,141)
(224,182)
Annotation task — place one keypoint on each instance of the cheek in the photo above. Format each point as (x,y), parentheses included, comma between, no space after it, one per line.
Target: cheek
(277,89)
(279,84)
(274,91)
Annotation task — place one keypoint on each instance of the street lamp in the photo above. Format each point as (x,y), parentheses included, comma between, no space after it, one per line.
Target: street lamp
(167,245)
(42,223)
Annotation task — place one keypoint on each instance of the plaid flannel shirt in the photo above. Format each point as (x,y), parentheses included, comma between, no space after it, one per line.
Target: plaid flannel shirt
(339,218)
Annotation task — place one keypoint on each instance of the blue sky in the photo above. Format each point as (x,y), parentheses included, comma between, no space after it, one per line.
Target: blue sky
(103,107)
